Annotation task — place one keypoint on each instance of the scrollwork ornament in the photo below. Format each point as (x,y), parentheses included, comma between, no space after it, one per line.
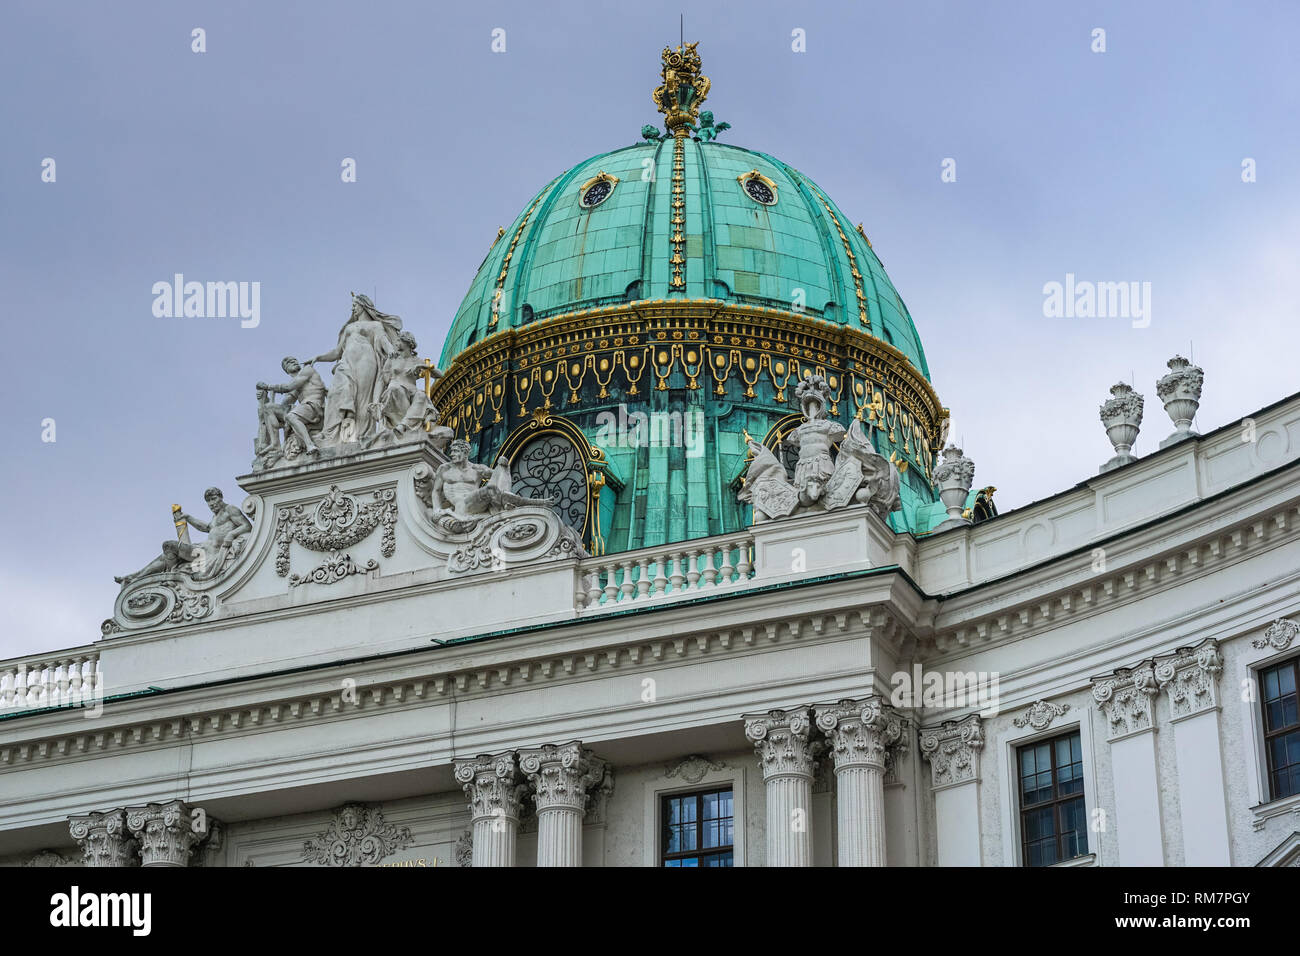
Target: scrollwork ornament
(1277,636)
(694,768)
(338,521)
(1040,715)
(357,836)
(334,568)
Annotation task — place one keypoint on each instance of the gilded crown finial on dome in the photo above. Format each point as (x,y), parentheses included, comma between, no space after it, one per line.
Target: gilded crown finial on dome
(683,89)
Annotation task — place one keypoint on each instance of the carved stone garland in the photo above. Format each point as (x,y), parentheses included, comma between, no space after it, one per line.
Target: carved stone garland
(338,521)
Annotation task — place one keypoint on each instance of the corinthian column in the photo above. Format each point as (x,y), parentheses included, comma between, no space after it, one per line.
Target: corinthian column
(165,831)
(560,775)
(494,788)
(859,732)
(781,740)
(1127,704)
(104,839)
(953,751)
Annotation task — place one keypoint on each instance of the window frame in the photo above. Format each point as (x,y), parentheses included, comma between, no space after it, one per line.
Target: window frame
(699,851)
(1292,662)
(1056,801)
(732,774)
(1010,740)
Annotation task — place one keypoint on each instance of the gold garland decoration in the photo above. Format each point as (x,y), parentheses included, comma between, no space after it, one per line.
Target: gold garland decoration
(614,345)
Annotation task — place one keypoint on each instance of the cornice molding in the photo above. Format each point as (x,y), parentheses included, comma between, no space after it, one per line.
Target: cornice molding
(90,738)
(1067,601)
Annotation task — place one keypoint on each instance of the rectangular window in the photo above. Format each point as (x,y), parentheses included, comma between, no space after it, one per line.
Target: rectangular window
(1053,817)
(697,828)
(1281,727)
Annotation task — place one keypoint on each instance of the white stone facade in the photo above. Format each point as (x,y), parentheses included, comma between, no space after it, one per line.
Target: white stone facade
(407,713)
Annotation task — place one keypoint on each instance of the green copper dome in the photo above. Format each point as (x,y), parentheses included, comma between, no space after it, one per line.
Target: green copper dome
(653,309)
(800,253)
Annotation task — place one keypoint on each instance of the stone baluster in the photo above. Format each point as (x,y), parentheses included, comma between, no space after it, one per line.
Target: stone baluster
(859,733)
(495,790)
(708,573)
(677,576)
(611,582)
(628,585)
(743,564)
(660,585)
(593,588)
(781,739)
(75,679)
(104,839)
(643,577)
(561,776)
(692,570)
(724,564)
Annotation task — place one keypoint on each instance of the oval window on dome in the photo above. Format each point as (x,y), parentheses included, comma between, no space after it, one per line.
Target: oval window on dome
(596,190)
(758,187)
(550,466)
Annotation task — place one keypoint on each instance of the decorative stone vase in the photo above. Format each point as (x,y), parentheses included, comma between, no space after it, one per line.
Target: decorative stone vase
(1122,416)
(953,479)
(1180,390)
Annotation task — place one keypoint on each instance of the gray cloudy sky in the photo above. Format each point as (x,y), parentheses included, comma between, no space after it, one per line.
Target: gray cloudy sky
(1116,166)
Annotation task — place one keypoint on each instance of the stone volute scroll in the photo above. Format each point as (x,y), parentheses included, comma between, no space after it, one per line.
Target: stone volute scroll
(824,480)
(476,519)
(177,586)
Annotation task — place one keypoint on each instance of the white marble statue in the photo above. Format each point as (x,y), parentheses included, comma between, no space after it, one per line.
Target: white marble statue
(463,492)
(299,416)
(366,341)
(206,559)
(821,481)
(403,410)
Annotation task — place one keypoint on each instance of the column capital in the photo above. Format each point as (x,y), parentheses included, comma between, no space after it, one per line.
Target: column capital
(1126,699)
(104,838)
(781,739)
(952,750)
(561,774)
(1191,677)
(860,732)
(165,832)
(493,785)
